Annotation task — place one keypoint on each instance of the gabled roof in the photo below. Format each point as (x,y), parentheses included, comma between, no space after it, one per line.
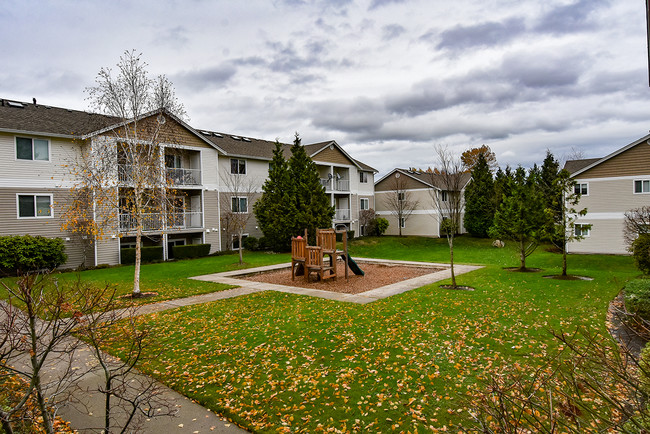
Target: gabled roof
(428,179)
(573,166)
(612,155)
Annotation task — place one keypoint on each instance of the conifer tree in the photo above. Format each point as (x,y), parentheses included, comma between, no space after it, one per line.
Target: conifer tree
(312,204)
(520,216)
(479,199)
(551,195)
(275,210)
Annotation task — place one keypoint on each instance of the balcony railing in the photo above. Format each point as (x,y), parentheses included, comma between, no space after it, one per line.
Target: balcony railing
(155,221)
(342,185)
(342,214)
(180,176)
(325,182)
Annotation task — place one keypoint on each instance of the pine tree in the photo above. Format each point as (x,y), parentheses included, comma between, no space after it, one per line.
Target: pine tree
(312,204)
(551,195)
(275,210)
(479,200)
(520,216)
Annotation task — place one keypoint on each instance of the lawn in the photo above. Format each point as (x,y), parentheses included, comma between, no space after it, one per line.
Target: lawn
(168,279)
(273,361)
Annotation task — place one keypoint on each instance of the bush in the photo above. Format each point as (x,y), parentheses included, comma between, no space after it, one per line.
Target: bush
(149,254)
(641,253)
(339,236)
(191,251)
(250,243)
(24,253)
(263,243)
(637,297)
(377,226)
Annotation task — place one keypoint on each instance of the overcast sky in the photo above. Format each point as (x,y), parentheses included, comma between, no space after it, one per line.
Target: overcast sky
(387,79)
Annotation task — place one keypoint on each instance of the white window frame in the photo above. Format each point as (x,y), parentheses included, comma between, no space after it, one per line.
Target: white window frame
(361,201)
(234,238)
(444,195)
(580,185)
(363,177)
(49,147)
(239,198)
(35,195)
(578,226)
(401,196)
(402,222)
(642,181)
(240,163)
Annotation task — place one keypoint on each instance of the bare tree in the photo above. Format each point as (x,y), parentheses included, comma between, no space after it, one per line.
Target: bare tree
(237,199)
(121,184)
(366,216)
(450,178)
(636,222)
(399,200)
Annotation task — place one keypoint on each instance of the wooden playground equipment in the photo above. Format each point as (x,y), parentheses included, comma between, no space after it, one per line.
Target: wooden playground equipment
(307,259)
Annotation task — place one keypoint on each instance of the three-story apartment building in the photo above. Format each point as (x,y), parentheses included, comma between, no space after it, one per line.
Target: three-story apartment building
(40,145)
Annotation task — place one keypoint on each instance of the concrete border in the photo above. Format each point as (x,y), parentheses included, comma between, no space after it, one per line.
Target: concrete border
(247,286)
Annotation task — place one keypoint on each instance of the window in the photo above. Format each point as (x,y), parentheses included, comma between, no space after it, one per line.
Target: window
(444,195)
(400,196)
(239,204)
(582,230)
(642,186)
(32,149)
(363,177)
(32,205)
(402,222)
(365,204)
(581,188)
(235,240)
(237,167)
(173,161)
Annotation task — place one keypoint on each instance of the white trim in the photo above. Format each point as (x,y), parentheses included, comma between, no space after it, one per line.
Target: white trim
(603,216)
(581,183)
(641,180)
(50,195)
(609,178)
(367,199)
(34,183)
(239,203)
(613,154)
(415,212)
(49,149)
(583,224)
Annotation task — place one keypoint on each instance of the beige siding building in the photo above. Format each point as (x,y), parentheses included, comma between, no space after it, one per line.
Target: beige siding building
(610,186)
(422,199)
(39,146)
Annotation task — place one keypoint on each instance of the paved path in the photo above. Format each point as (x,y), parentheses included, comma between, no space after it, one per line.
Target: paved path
(188,416)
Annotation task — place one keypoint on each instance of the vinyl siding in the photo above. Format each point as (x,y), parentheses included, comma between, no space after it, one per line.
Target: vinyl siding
(211,219)
(334,156)
(606,237)
(632,162)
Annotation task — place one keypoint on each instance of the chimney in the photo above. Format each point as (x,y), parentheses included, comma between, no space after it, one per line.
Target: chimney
(34,99)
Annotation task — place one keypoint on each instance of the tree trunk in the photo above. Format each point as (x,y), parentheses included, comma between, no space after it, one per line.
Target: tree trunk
(522,254)
(450,240)
(138,261)
(241,252)
(6,426)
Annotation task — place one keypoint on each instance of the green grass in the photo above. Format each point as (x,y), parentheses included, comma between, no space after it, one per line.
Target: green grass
(168,279)
(272,361)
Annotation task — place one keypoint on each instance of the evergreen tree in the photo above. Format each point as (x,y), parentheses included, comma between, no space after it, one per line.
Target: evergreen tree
(479,199)
(520,216)
(312,204)
(501,185)
(551,195)
(275,210)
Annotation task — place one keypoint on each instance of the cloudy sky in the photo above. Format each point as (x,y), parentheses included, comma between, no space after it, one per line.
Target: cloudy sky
(387,79)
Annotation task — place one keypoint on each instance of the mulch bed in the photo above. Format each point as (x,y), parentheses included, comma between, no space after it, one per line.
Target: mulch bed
(377,275)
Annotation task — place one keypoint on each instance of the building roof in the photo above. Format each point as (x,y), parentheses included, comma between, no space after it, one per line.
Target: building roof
(30,118)
(427,178)
(572,166)
(589,163)
(16,116)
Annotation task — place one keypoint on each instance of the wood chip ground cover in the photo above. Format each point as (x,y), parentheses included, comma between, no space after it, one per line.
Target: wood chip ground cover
(276,362)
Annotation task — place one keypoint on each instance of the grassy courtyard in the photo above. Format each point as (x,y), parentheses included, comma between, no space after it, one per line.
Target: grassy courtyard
(272,361)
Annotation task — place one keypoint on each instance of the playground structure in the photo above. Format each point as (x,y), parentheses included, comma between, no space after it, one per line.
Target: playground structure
(306,259)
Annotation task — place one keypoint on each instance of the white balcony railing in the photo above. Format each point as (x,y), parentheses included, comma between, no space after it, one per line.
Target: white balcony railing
(180,176)
(325,182)
(155,222)
(342,185)
(342,214)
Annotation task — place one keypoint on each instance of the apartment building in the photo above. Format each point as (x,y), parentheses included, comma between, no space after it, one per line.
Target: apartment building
(40,144)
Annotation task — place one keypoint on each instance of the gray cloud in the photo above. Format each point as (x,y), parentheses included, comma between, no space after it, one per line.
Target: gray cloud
(175,37)
(206,78)
(379,3)
(392,31)
(570,18)
(480,35)
(534,70)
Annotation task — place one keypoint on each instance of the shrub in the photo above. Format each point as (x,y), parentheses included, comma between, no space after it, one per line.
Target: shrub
(641,253)
(191,251)
(149,254)
(377,226)
(263,243)
(250,243)
(637,297)
(339,236)
(24,253)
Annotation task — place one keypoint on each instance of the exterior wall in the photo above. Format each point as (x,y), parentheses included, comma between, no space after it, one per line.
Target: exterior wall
(211,220)
(332,155)
(632,162)
(606,202)
(422,222)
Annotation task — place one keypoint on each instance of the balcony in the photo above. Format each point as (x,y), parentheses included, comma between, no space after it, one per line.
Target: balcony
(342,214)
(181,176)
(325,182)
(153,222)
(341,185)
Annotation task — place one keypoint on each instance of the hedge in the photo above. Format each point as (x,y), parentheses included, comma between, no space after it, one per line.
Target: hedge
(637,297)
(149,254)
(191,251)
(25,253)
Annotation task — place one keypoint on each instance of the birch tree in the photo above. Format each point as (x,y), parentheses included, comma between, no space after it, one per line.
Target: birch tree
(399,200)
